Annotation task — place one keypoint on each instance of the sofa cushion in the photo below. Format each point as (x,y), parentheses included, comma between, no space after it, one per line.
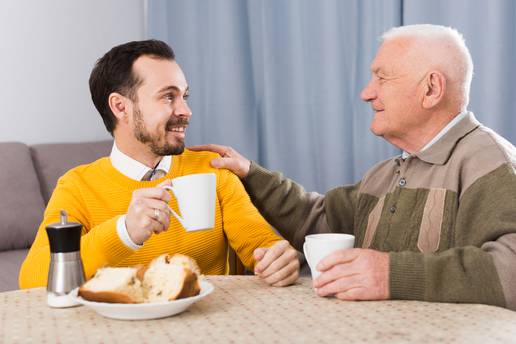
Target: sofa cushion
(52,160)
(21,204)
(11,263)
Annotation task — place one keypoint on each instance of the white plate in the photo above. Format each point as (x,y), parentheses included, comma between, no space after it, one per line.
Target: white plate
(143,311)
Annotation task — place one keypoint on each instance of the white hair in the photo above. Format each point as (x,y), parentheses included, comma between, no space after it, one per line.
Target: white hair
(455,45)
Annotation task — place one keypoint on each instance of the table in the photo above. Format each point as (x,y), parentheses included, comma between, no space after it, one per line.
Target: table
(242,309)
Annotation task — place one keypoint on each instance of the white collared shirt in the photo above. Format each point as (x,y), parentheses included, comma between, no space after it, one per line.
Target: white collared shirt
(440,134)
(133,169)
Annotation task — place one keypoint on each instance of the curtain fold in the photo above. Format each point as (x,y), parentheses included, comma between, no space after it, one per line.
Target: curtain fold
(280,80)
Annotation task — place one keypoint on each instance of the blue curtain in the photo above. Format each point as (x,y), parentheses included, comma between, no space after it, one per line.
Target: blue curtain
(280,80)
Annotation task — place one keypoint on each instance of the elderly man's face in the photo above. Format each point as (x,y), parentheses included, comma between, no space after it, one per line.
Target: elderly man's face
(394,90)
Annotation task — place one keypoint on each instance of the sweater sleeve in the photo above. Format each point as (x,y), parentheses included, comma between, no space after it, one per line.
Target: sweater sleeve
(244,227)
(297,213)
(100,245)
(481,268)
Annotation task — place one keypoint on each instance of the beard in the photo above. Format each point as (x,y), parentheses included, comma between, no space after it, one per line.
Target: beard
(158,143)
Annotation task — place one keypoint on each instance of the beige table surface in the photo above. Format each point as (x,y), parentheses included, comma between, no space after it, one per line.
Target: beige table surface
(244,310)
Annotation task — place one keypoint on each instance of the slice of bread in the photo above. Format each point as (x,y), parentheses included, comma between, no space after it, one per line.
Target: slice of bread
(166,278)
(166,282)
(115,285)
(185,261)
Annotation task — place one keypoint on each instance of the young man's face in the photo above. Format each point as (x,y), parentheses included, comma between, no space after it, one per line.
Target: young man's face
(161,113)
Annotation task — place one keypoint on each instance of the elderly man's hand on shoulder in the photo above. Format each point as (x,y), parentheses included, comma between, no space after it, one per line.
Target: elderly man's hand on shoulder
(354,274)
(277,265)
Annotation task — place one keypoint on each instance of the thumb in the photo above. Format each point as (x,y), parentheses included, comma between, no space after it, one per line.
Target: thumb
(259,253)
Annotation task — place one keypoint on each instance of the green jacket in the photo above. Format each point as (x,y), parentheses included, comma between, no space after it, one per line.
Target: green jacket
(447,216)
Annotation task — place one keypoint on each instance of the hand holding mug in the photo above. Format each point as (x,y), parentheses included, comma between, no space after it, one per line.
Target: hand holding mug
(354,274)
(148,213)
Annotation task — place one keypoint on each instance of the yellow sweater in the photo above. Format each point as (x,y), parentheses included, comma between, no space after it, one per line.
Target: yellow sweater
(96,194)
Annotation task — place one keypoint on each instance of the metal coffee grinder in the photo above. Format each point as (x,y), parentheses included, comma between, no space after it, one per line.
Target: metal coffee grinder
(66,271)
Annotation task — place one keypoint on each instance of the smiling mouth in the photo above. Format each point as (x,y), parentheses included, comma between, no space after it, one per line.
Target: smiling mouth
(177,129)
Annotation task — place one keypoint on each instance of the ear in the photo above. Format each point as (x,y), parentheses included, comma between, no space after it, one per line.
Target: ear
(435,88)
(120,106)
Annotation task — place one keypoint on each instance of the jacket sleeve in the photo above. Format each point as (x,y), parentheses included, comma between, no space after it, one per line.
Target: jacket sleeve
(100,245)
(244,227)
(296,213)
(482,266)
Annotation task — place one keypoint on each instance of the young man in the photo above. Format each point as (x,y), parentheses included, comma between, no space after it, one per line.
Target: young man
(141,93)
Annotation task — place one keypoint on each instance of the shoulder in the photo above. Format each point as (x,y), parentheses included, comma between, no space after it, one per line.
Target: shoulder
(191,157)
(484,155)
(485,150)
(85,171)
(200,162)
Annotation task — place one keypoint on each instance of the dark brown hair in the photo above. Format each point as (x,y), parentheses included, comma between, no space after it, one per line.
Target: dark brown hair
(113,72)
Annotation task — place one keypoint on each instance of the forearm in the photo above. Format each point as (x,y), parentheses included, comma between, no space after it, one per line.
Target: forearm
(463,274)
(296,213)
(285,204)
(245,229)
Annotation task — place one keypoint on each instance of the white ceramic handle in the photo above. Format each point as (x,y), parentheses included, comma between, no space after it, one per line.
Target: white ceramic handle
(307,256)
(179,218)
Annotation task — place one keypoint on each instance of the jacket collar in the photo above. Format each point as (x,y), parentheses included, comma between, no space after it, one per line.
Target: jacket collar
(439,152)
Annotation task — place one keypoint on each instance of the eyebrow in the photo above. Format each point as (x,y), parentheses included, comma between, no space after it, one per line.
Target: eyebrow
(173,88)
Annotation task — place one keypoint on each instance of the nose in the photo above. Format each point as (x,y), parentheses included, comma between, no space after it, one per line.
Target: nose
(369,92)
(182,109)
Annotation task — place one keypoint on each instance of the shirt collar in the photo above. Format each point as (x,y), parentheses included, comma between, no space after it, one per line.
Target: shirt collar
(439,152)
(132,168)
(440,134)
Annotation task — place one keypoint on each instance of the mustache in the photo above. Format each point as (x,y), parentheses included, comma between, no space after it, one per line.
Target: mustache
(175,122)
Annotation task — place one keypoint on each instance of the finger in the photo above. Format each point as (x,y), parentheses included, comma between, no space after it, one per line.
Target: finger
(353,294)
(158,216)
(289,280)
(148,223)
(337,271)
(279,276)
(157,204)
(271,255)
(209,147)
(337,257)
(259,253)
(227,163)
(166,182)
(290,255)
(340,285)
(156,193)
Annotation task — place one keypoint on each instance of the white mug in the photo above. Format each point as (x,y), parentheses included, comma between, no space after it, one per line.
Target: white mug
(318,246)
(195,194)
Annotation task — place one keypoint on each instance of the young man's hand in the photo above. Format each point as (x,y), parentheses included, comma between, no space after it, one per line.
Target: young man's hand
(148,213)
(277,265)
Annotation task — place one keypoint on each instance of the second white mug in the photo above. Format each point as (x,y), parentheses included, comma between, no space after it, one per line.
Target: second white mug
(318,246)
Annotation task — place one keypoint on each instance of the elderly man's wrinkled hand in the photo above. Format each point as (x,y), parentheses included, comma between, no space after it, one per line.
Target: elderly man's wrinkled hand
(277,265)
(354,274)
(229,158)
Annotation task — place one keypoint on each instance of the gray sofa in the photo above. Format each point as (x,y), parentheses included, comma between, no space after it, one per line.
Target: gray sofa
(27,179)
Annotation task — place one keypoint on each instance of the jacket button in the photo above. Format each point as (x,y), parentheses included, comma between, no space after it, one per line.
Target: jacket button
(392,209)
(403,182)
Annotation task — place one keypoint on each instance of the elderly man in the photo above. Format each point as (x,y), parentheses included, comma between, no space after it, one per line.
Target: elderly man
(141,94)
(437,223)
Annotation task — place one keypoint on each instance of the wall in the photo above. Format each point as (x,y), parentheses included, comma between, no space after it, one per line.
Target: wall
(47,50)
